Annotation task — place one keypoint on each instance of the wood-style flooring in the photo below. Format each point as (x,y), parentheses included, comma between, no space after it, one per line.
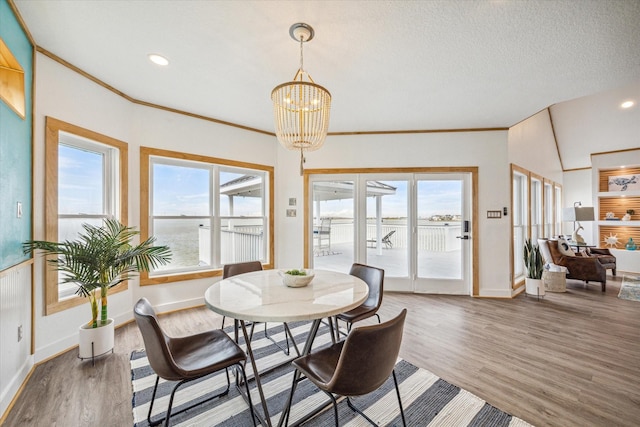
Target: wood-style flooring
(570,359)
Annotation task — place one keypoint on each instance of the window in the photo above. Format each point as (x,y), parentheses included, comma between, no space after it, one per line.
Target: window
(209,211)
(89,185)
(536,205)
(549,221)
(558,209)
(520,218)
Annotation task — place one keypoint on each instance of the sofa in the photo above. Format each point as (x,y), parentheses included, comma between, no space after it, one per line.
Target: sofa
(579,267)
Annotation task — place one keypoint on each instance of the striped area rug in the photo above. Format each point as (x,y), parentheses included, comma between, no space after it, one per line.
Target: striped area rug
(427,399)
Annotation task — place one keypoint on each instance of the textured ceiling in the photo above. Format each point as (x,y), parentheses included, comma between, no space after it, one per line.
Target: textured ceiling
(390,65)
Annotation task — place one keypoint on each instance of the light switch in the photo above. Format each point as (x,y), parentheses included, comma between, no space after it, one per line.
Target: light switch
(19,210)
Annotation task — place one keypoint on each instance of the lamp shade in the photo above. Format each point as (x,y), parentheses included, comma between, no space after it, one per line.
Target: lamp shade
(578,213)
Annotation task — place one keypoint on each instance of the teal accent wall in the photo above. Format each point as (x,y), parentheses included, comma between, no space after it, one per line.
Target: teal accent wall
(15,150)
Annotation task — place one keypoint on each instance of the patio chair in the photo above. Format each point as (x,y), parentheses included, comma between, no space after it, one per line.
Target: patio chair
(386,240)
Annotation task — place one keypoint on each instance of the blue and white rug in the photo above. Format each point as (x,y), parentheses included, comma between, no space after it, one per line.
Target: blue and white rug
(630,288)
(427,399)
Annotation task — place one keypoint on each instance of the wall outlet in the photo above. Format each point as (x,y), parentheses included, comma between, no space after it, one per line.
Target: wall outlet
(19,333)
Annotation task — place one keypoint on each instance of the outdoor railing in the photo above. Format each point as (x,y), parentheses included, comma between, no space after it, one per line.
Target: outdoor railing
(432,237)
(238,245)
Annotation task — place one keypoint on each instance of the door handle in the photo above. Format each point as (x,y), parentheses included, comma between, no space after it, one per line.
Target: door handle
(462,237)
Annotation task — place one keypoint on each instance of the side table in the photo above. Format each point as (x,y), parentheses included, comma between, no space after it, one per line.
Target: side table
(554,281)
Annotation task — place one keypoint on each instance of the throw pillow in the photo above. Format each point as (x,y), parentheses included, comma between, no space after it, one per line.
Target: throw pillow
(564,248)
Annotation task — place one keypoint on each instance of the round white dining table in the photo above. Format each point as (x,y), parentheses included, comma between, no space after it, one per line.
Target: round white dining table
(261,296)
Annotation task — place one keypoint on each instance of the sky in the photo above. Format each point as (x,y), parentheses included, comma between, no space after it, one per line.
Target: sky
(435,197)
(181,190)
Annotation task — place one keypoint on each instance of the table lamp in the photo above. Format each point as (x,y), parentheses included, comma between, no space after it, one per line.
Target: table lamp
(576,214)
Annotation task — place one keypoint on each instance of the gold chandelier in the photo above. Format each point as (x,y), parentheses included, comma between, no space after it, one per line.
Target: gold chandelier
(301,108)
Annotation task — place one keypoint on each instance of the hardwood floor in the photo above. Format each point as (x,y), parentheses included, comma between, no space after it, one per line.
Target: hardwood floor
(570,359)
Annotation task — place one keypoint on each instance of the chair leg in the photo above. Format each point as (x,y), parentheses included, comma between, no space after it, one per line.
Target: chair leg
(356,409)
(173,392)
(153,397)
(395,382)
(222,326)
(246,383)
(335,407)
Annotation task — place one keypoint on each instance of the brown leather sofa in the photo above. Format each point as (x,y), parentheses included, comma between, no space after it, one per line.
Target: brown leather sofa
(606,258)
(587,268)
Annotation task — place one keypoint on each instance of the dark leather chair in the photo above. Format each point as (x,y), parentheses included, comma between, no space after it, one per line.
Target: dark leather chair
(579,267)
(185,359)
(230,270)
(606,258)
(354,367)
(374,278)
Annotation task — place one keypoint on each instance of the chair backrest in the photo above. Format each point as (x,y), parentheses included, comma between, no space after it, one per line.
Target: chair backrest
(229,270)
(156,342)
(544,251)
(374,278)
(368,357)
(389,234)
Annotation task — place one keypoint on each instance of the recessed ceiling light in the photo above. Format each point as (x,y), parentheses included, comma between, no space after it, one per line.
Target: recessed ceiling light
(627,104)
(158,59)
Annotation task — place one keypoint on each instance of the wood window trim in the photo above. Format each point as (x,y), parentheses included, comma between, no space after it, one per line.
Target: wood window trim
(145,191)
(53,127)
(518,169)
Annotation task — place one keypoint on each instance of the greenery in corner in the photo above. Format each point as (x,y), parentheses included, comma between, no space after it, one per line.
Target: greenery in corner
(101,258)
(533,260)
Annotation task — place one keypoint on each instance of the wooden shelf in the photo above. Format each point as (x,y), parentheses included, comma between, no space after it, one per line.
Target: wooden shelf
(618,202)
(619,223)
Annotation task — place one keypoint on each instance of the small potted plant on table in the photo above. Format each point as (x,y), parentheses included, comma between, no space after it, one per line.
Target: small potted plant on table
(101,258)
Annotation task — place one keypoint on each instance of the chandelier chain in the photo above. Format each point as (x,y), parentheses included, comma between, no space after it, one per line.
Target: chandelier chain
(301,55)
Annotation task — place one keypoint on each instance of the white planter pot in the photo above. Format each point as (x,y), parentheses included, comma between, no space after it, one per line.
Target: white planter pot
(534,286)
(94,342)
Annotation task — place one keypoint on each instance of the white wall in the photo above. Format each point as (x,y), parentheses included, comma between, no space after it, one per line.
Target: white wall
(533,147)
(487,150)
(577,188)
(67,96)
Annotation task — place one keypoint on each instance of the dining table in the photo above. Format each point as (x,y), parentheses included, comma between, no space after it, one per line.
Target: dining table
(262,296)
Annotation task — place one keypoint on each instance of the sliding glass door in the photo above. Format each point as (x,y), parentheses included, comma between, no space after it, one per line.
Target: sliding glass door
(414,226)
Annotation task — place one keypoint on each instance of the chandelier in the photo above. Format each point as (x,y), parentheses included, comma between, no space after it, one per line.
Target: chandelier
(301,108)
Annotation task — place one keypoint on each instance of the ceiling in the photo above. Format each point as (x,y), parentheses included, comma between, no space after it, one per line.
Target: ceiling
(389,65)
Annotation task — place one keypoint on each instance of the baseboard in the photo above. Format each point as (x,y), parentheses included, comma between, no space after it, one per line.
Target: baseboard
(16,385)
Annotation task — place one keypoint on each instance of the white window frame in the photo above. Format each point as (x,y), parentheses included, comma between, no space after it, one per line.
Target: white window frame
(115,195)
(213,267)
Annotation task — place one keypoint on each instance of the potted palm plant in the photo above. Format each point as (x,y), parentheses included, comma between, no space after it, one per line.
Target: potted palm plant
(101,258)
(534,263)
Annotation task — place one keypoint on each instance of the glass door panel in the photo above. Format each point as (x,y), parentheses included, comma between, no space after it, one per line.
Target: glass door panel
(333,224)
(387,227)
(442,241)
